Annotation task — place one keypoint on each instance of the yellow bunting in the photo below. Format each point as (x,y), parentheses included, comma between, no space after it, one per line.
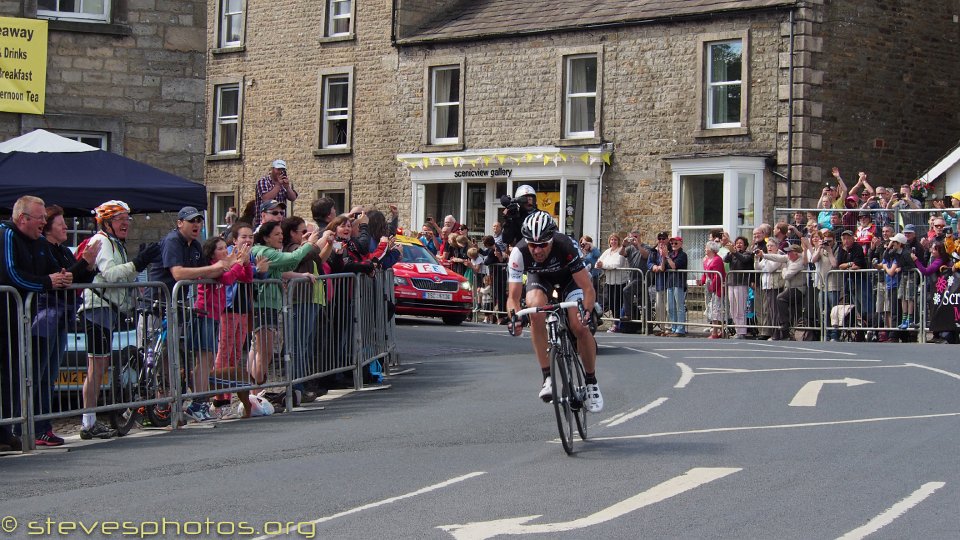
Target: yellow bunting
(456,162)
(606,158)
(500,159)
(546,159)
(528,158)
(426,162)
(585,158)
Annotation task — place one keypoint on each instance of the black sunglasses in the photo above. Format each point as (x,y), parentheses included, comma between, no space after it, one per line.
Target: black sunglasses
(538,245)
(196,220)
(275,212)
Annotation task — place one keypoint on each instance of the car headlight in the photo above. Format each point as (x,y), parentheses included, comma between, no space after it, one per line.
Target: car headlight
(465,285)
(397,280)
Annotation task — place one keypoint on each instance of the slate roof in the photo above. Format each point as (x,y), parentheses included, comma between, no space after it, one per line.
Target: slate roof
(490,18)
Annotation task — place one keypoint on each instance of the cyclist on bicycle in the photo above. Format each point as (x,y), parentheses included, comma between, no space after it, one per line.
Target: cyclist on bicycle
(552,262)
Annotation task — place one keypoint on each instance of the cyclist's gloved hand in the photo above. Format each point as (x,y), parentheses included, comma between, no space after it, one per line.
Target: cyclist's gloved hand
(516,324)
(147,255)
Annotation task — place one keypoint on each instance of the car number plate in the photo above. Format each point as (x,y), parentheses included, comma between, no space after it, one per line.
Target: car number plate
(438,296)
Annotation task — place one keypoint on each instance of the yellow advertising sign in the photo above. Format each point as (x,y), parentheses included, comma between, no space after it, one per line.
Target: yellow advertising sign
(23,65)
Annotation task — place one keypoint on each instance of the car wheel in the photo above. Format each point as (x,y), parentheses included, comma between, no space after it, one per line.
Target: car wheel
(454,320)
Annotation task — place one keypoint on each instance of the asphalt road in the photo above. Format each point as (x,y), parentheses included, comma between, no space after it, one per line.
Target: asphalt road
(699,439)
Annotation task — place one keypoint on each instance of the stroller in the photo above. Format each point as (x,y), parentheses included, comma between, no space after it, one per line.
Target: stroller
(853,322)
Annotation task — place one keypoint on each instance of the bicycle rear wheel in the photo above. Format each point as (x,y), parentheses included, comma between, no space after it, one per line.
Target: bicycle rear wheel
(579,391)
(126,389)
(560,376)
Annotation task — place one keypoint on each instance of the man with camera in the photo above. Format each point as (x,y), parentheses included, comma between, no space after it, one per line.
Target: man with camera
(276,186)
(515,211)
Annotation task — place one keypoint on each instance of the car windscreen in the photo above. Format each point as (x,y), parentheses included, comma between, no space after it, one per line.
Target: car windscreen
(417,254)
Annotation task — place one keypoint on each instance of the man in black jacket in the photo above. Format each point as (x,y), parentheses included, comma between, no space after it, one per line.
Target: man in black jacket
(26,266)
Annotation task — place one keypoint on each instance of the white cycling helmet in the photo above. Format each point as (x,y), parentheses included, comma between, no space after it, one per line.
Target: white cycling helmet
(524,190)
(538,227)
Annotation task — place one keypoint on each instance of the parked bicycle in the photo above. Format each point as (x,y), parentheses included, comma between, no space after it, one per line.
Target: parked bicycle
(566,370)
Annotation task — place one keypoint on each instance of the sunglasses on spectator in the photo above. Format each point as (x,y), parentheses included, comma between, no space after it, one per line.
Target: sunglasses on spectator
(275,212)
(939,226)
(303,231)
(538,245)
(196,220)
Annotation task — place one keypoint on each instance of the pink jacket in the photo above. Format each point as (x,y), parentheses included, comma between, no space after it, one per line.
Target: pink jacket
(212,298)
(714,265)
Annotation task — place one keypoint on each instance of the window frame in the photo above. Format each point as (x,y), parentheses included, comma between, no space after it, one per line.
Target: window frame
(328,19)
(214,227)
(435,106)
(324,76)
(561,117)
(213,137)
(731,169)
(569,96)
(75,135)
(222,46)
(57,15)
(443,143)
(706,127)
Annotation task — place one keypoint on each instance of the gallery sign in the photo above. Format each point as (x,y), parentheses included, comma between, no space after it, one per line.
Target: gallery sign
(23,65)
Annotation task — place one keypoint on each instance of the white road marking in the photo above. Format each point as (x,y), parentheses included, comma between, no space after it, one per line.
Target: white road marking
(808,349)
(693,478)
(658,355)
(706,349)
(941,371)
(420,491)
(777,426)
(686,375)
(804,358)
(733,371)
(808,394)
(619,419)
(893,512)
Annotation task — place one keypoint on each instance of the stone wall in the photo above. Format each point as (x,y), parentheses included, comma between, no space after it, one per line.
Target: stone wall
(279,65)
(884,78)
(650,75)
(141,79)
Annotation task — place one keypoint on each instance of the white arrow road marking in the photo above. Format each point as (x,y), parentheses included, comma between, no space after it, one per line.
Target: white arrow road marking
(893,512)
(420,491)
(807,396)
(624,417)
(730,371)
(693,478)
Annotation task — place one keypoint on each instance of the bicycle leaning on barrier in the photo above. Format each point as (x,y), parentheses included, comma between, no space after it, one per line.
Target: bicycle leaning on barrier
(554,268)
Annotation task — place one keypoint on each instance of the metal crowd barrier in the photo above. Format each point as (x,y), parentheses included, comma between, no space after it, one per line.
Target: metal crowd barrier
(15,387)
(497,307)
(335,323)
(83,356)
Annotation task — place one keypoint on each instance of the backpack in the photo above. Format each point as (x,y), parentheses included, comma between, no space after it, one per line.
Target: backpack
(83,245)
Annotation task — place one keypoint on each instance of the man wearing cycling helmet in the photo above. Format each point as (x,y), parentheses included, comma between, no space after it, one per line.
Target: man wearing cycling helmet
(515,211)
(552,262)
(102,307)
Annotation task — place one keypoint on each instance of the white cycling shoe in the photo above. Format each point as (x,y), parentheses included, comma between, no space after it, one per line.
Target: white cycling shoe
(594,401)
(546,391)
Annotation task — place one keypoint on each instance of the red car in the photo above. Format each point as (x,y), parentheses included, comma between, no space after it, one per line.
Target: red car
(425,287)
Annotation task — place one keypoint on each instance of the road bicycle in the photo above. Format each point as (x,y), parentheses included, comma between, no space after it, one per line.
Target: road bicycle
(566,370)
(142,375)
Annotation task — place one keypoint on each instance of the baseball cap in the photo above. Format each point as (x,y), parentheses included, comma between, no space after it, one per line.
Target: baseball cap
(900,238)
(794,247)
(846,232)
(909,228)
(663,235)
(266,206)
(279,164)
(676,239)
(187,213)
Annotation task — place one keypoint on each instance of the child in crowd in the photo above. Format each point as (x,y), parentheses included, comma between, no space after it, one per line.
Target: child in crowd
(486,299)
(211,303)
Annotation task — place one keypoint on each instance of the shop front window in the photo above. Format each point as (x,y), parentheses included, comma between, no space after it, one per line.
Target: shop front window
(438,201)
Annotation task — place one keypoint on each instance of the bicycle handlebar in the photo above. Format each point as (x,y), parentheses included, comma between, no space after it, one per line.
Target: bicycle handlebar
(550,307)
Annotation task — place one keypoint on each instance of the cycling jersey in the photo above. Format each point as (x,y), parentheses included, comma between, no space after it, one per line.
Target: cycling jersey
(556,271)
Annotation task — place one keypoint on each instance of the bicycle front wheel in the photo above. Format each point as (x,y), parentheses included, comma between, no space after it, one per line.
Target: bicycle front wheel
(126,389)
(560,376)
(579,386)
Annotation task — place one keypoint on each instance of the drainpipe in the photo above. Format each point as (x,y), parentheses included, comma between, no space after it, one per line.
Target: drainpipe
(790,119)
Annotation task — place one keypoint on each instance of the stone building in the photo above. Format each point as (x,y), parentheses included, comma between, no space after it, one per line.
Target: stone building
(126,76)
(623,114)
